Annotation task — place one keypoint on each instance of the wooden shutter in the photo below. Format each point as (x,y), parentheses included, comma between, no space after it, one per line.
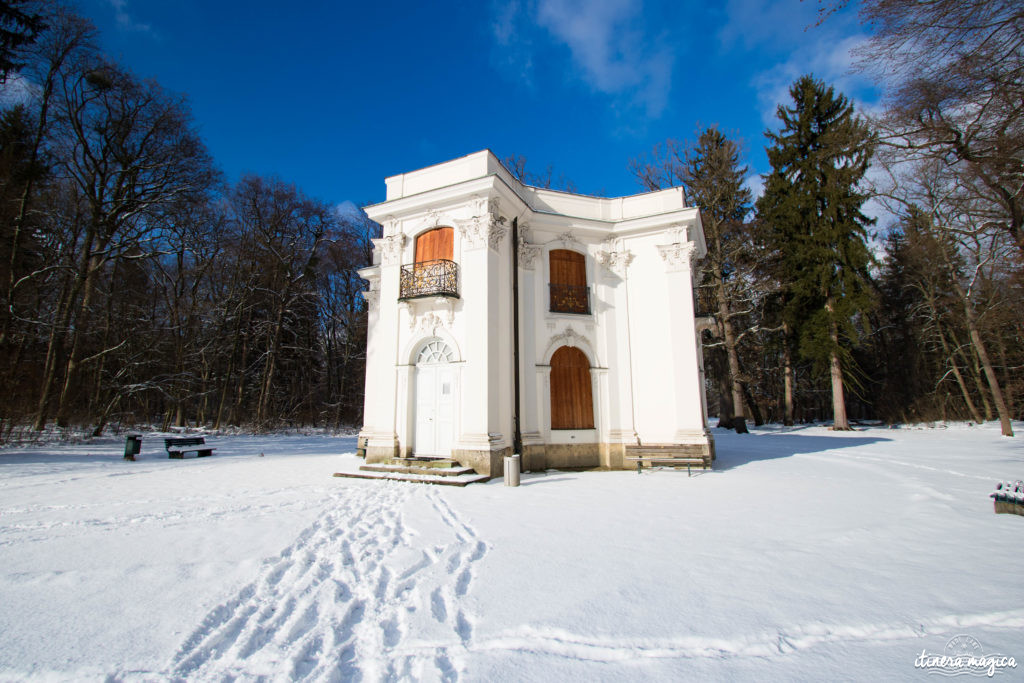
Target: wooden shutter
(572,402)
(567,268)
(435,244)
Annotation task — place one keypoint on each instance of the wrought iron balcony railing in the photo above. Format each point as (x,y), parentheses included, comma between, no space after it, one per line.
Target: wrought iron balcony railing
(569,298)
(429,278)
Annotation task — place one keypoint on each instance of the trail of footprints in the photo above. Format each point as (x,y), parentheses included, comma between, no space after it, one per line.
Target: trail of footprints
(330,606)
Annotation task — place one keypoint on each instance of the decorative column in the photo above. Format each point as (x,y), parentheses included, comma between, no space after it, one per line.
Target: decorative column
(530,414)
(619,428)
(372,393)
(690,427)
(382,350)
(480,444)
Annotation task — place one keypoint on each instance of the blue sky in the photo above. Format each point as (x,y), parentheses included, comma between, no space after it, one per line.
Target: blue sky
(335,96)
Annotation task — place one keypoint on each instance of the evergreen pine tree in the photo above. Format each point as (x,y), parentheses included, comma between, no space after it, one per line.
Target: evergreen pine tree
(714,180)
(811,212)
(20,23)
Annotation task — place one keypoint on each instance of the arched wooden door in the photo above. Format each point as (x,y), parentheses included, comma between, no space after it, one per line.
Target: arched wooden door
(434,401)
(572,400)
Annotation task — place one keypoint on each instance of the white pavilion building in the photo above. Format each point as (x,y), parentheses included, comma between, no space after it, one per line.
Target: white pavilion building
(608,356)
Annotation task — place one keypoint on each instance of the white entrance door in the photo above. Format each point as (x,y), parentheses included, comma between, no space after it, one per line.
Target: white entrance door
(435,401)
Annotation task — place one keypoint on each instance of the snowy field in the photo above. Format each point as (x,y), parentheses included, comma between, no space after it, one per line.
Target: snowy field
(806,555)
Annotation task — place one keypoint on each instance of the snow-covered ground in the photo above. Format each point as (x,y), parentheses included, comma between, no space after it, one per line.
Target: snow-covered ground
(806,555)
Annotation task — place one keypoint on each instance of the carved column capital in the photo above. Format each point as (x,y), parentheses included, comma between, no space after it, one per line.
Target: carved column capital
(389,249)
(372,297)
(528,251)
(615,261)
(678,256)
(487,228)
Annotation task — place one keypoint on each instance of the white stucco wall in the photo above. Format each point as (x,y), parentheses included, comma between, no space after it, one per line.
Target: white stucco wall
(639,337)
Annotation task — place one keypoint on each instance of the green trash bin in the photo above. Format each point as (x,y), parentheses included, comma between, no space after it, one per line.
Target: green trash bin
(132,446)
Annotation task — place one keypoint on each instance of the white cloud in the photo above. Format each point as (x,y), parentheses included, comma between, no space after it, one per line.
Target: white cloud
(790,39)
(511,28)
(611,49)
(348,209)
(767,24)
(754,183)
(828,58)
(125,20)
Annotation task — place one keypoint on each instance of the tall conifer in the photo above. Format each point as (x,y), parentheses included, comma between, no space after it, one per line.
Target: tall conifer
(811,214)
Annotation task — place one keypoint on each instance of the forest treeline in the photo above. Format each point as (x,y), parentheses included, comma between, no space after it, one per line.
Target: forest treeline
(813,311)
(137,287)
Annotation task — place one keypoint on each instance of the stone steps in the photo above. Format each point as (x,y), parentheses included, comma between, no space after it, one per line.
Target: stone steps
(456,480)
(415,469)
(440,471)
(423,462)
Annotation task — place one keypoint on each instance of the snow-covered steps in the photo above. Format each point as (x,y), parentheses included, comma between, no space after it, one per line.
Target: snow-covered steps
(442,471)
(457,480)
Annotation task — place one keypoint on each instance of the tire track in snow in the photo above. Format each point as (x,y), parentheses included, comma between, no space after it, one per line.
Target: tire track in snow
(332,606)
(854,455)
(621,648)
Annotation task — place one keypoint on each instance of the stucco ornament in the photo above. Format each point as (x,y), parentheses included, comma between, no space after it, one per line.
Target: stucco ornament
(434,218)
(569,241)
(678,256)
(428,320)
(528,251)
(429,323)
(569,337)
(390,248)
(372,294)
(677,234)
(615,257)
(488,227)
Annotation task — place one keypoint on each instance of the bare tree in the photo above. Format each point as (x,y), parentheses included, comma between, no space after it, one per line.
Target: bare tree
(128,150)
(971,251)
(955,71)
(516,165)
(67,42)
(287,232)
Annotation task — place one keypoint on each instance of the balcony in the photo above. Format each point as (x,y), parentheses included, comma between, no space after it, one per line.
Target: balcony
(570,299)
(429,278)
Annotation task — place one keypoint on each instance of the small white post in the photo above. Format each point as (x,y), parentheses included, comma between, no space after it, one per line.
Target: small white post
(512,470)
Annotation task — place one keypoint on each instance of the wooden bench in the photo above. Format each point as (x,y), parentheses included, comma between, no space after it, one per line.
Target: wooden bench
(657,455)
(1009,498)
(178,446)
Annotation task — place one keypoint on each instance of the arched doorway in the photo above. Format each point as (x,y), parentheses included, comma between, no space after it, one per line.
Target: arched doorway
(572,400)
(435,400)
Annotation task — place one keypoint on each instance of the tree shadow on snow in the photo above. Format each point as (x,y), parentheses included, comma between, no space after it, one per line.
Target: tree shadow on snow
(735,450)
